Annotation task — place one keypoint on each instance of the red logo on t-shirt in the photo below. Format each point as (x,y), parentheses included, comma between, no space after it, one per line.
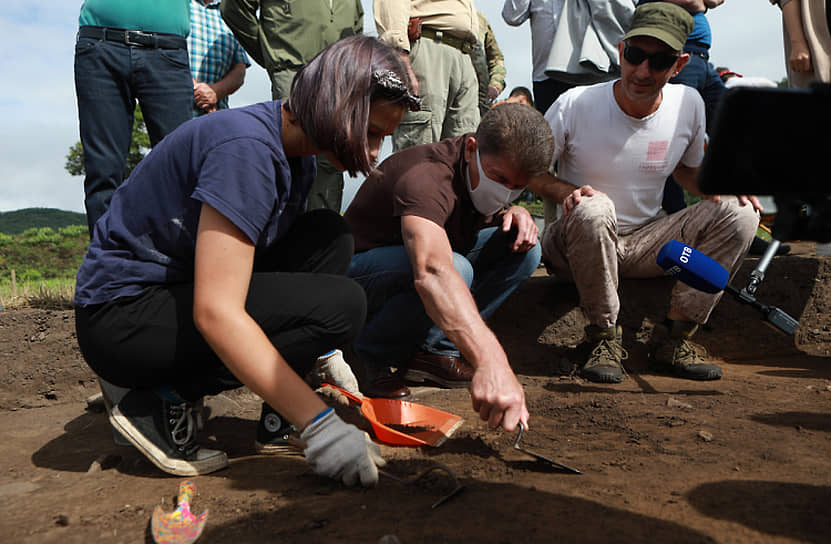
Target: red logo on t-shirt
(656,156)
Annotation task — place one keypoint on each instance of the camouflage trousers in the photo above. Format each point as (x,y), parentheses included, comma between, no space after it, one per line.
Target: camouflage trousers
(588,248)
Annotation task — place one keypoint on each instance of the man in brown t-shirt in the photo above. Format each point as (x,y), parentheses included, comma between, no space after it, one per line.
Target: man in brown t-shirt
(437,252)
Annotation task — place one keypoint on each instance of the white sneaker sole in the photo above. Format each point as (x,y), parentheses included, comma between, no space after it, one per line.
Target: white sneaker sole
(214,460)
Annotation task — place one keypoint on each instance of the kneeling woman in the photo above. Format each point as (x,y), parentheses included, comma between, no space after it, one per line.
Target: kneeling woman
(206,273)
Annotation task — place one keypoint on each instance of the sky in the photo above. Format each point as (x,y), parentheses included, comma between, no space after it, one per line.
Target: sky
(39,112)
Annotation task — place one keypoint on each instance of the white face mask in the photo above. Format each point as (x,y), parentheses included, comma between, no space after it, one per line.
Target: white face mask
(489,196)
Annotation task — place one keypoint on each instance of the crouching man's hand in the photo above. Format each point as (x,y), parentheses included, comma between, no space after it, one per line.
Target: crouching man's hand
(341,451)
(498,396)
(527,230)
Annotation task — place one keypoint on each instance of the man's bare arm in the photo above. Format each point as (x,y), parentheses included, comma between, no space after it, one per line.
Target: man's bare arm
(551,187)
(495,392)
(566,194)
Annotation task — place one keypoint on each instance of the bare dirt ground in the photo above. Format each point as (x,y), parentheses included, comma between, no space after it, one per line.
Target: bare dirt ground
(743,459)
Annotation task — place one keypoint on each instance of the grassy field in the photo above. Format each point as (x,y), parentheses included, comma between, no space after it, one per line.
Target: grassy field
(38,266)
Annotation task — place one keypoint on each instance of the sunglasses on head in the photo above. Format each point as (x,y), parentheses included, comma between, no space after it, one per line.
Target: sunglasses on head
(659,61)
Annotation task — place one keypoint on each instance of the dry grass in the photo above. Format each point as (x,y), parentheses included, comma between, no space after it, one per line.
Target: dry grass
(55,294)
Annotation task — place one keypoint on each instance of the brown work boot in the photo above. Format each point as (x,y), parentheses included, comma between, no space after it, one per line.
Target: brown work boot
(674,352)
(604,362)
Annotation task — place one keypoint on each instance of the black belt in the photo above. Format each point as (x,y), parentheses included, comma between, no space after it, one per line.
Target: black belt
(138,38)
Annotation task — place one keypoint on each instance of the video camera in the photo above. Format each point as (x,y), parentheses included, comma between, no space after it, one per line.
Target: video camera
(775,142)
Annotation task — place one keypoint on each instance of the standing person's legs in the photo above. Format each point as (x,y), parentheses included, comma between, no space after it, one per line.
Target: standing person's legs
(547,91)
(105,112)
(462,104)
(712,93)
(164,88)
(281,83)
(699,74)
(694,75)
(446,83)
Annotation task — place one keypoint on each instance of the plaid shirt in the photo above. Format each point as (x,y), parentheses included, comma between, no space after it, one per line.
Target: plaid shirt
(212,48)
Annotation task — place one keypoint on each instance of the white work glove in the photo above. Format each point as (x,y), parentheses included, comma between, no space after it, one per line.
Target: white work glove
(333,368)
(341,451)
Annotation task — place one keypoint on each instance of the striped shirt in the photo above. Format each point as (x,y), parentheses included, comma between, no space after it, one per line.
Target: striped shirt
(212,48)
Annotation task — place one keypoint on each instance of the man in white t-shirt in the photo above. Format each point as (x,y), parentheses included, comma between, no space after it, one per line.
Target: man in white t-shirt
(616,143)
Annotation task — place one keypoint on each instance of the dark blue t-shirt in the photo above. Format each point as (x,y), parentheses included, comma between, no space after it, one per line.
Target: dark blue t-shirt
(232,160)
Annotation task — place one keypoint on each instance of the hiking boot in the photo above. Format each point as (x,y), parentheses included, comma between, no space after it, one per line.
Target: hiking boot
(604,362)
(164,430)
(674,352)
(273,433)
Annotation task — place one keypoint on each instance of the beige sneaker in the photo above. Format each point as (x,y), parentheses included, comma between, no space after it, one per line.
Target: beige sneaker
(604,362)
(674,352)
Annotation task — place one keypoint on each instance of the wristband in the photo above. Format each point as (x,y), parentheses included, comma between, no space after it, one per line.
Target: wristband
(321,415)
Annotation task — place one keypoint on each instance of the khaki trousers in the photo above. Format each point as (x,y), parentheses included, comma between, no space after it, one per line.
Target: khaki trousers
(587,247)
(449,90)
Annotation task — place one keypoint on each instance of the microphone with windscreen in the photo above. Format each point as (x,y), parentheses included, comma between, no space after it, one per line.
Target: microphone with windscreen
(702,272)
(692,267)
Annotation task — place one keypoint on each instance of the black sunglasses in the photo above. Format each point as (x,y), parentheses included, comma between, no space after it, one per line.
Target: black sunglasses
(659,61)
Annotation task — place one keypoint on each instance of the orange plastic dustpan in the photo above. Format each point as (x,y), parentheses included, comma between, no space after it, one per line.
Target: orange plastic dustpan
(404,423)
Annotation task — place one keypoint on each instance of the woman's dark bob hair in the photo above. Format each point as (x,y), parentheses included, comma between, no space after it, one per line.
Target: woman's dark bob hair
(332,94)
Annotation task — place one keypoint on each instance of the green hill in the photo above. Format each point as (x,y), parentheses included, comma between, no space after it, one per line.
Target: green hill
(18,221)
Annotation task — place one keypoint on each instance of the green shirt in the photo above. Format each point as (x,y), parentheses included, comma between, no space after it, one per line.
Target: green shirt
(168,16)
(281,35)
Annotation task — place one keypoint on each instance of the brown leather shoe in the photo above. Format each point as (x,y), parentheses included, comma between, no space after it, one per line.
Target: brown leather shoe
(386,386)
(376,383)
(443,370)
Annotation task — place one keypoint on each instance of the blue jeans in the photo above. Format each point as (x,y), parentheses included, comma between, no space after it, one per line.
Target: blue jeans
(397,324)
(699,74)
(109,78)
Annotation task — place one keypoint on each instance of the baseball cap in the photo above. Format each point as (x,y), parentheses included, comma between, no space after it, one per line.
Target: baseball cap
(661,20)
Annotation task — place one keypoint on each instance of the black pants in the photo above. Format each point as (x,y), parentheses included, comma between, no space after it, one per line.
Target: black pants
(299,294)
(546,92)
